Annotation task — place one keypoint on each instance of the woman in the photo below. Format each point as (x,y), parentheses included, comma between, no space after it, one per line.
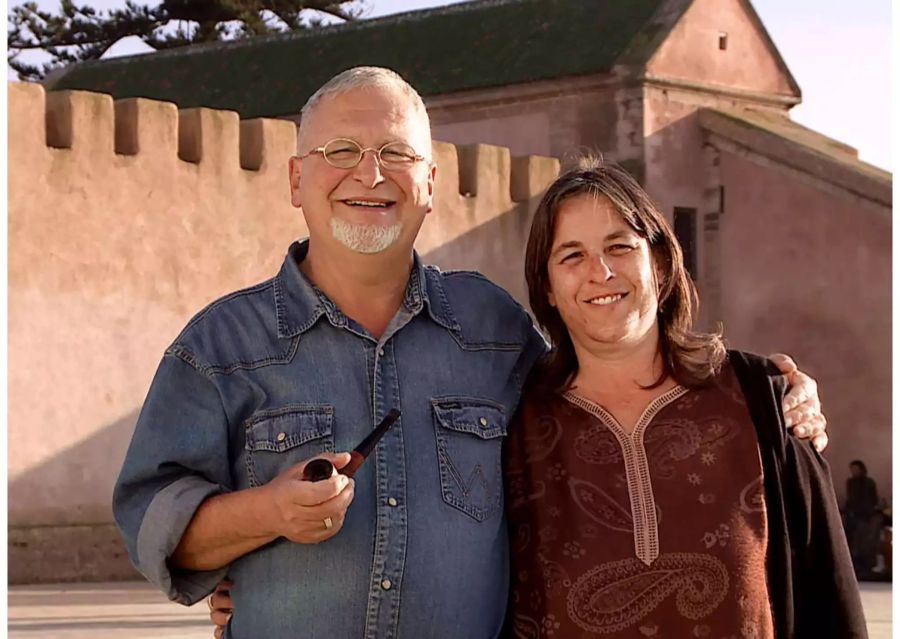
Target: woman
(651,488)
(611,291)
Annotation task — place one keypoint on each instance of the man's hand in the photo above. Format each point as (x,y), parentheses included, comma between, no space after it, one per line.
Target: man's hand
(220,607)
(802,408)
(310,512)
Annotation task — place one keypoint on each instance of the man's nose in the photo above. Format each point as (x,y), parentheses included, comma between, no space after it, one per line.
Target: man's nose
(368,171)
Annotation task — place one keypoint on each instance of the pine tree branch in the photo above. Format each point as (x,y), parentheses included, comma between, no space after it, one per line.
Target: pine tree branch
(79,32)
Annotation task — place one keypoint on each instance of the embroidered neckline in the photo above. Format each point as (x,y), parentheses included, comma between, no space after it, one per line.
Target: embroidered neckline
(637,467)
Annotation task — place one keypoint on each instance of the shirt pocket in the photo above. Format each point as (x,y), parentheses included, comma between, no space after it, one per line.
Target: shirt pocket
(278,439)
(469,433)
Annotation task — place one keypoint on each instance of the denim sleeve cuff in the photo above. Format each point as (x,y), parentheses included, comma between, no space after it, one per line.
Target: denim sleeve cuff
(163,524)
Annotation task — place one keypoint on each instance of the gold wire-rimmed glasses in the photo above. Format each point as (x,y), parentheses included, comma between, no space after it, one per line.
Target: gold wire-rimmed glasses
(344,153)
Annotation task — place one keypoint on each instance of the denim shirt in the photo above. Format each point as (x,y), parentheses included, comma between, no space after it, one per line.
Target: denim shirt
(275,374)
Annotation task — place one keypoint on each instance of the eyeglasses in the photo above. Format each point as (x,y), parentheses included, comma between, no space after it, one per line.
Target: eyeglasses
(344,153)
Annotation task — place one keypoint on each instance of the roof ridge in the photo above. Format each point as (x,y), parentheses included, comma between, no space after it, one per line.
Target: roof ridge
(842,158)
(301,34)
(779,119)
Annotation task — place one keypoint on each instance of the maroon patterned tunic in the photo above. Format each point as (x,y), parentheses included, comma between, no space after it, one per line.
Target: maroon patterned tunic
(660,533)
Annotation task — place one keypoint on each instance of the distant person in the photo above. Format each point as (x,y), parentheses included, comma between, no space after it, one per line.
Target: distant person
(862,520)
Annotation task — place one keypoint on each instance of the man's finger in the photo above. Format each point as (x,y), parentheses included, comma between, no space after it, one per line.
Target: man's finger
(803,389)
(784,363)
(220,617)
(816,425)
(313,493)
(820,442)
(334,507)
(338,460)
(338,505)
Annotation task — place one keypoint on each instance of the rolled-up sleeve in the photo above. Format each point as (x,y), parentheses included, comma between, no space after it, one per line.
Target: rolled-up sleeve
(177,458)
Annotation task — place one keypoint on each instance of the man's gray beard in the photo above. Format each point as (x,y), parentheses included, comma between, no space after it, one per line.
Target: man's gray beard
(364,238)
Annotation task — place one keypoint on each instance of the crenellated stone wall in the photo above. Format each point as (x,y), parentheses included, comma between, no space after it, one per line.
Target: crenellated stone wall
(125,218)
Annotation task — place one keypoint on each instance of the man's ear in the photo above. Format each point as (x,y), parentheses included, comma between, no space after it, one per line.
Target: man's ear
(431,173)
(294,166)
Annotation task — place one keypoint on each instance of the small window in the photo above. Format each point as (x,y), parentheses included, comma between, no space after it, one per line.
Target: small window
(685,223)
(723,40)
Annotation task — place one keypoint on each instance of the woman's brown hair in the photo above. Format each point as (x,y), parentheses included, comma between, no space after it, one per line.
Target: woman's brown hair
(691,358)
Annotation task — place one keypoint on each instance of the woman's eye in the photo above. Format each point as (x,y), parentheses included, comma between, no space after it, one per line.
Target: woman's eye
(570,257)
(619,249)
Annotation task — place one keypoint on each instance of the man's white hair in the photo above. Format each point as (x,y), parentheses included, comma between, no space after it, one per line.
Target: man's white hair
(361,77)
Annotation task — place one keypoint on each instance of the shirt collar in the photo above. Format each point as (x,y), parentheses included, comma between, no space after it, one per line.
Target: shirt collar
(299,303)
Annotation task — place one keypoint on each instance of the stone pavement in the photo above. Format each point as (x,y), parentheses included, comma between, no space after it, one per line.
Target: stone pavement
(877,602)
(136,611)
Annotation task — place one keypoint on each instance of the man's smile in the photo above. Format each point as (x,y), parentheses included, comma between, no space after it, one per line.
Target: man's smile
(368,203)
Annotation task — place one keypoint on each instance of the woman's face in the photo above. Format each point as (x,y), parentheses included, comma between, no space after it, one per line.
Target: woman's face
(602,278)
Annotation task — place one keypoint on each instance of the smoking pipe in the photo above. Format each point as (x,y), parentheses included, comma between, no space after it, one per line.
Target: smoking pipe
(321,469)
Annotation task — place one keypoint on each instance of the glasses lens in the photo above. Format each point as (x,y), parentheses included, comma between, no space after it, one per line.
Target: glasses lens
(344,154)
(397,155)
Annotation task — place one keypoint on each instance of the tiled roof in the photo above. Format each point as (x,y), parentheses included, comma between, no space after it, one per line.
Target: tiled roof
(463,46)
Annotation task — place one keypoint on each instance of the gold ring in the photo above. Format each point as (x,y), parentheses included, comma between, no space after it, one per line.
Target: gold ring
(328,523)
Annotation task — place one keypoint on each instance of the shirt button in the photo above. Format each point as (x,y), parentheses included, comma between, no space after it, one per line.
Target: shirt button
(386,584)
(392,501)
(281,437)
(483,421)
(381,352)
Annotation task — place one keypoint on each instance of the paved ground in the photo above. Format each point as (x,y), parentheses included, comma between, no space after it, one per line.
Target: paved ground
(135,611)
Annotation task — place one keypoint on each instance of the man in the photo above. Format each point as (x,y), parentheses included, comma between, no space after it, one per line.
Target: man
(305,364)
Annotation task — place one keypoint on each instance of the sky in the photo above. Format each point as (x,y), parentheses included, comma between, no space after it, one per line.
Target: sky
(839,52)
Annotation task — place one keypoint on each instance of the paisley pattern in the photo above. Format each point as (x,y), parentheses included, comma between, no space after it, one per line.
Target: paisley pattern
(520,537)
(592,555)
(597,445)
(615,595)
(753,499)
(555,576)
(678,439)
(542,438)
(525,627)
(519,489)
(600,506)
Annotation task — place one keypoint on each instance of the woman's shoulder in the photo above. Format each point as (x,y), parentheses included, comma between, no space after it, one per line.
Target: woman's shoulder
(752,362)
(537,400)
(757,374)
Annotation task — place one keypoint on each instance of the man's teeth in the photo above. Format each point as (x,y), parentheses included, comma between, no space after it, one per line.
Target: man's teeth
(609,299)
(374,205)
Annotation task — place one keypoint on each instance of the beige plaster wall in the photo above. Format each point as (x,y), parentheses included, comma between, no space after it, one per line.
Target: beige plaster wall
(691,52)
(814,282)
(126,218)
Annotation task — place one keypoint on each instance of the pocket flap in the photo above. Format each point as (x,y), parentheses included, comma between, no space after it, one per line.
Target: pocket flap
(480,417)
(284,428)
